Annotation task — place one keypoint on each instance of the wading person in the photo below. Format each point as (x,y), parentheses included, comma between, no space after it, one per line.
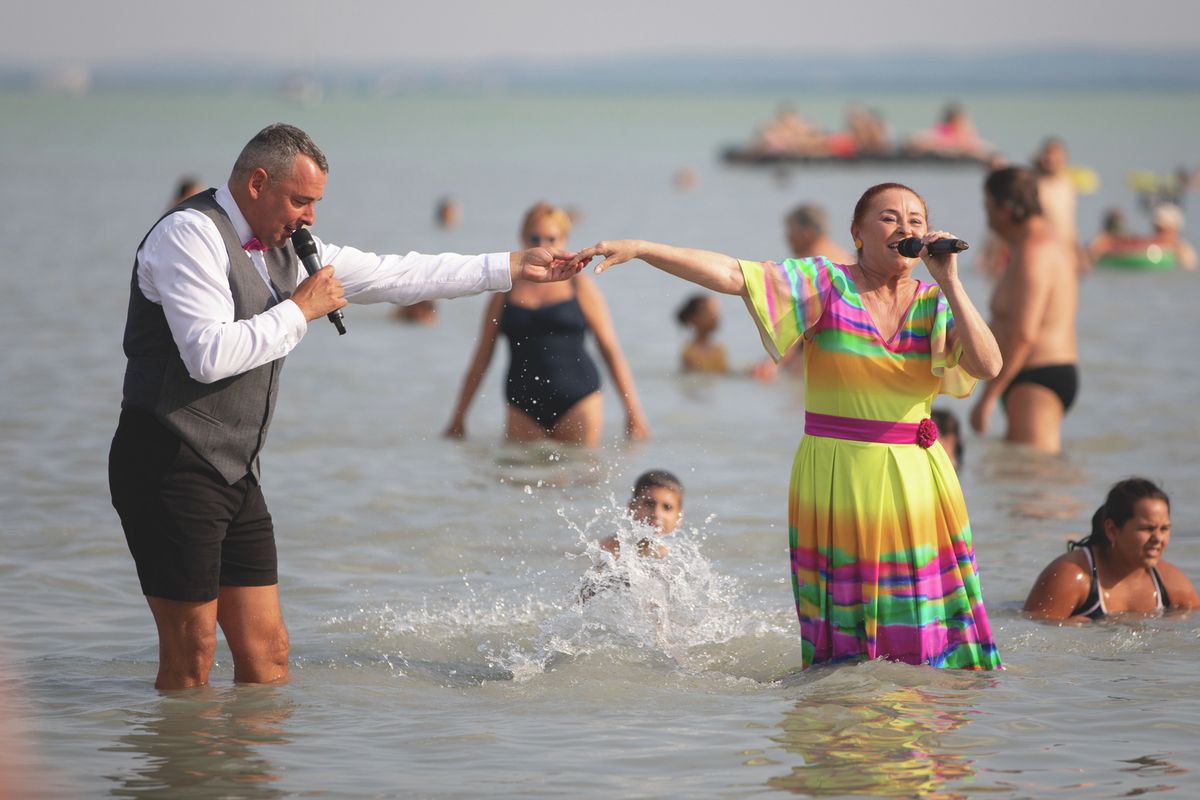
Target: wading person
(881,555)
(217,300)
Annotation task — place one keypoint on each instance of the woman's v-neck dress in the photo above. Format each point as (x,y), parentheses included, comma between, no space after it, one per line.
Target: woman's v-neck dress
(881,555)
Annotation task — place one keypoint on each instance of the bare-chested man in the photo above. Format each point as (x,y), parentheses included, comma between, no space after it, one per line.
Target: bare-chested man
(1033,316)
(1060,198)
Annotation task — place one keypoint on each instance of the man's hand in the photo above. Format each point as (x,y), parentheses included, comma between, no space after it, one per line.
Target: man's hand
(319,294)
(542,265)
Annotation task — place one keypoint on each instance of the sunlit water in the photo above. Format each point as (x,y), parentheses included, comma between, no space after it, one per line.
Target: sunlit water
(440,647)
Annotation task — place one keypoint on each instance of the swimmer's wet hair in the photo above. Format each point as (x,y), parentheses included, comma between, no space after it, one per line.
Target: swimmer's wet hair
(1118,507)
(1015,188)
(657,479)
(689,308)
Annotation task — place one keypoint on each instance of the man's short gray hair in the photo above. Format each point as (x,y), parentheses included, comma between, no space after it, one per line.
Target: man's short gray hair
(809,217)
(275,148)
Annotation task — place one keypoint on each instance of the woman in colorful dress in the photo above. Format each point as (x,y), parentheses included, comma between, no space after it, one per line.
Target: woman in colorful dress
(882,561)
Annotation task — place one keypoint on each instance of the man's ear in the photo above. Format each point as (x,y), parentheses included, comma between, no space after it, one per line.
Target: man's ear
(257,182)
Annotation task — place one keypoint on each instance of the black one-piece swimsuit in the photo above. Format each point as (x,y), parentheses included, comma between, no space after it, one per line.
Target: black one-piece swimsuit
(549,371)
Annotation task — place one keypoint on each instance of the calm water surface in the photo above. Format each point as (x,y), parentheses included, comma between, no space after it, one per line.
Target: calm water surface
(430,587)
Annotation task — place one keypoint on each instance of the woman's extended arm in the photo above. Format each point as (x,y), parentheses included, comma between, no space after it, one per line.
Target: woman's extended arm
(479,364)
(715,271)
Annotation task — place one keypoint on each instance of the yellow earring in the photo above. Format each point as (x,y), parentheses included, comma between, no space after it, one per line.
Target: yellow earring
(858,244)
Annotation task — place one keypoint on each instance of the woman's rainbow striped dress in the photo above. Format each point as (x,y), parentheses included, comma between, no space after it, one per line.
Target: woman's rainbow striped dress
(882,563)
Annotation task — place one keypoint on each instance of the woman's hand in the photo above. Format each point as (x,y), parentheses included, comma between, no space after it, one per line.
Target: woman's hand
(941,267)
(457,429)
(637,429)
(615,252)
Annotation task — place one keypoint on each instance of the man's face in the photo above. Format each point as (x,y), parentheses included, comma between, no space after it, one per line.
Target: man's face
(1053,158)
(281,204)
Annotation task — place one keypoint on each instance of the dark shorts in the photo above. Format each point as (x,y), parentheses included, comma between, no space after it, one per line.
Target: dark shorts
(188,530)
(1062,379)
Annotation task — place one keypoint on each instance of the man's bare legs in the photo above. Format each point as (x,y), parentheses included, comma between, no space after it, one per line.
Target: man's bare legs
(1035,416)
(252,622)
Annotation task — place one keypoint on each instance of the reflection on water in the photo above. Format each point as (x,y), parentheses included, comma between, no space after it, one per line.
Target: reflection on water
(548,464)
(857,738)
(1032,484)
(205,743)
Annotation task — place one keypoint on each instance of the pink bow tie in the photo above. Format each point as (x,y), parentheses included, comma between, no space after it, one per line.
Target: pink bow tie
(253,243)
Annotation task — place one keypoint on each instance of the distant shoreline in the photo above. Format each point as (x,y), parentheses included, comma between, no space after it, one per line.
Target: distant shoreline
(1113,69)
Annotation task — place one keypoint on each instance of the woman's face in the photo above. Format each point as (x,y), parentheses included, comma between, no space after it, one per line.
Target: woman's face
(893,215)
(1143,538)
(545,233)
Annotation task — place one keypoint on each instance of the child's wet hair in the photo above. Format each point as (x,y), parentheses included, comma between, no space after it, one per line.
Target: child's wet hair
(657,479)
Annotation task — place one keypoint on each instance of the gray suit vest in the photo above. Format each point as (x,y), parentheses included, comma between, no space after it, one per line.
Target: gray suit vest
(225,421)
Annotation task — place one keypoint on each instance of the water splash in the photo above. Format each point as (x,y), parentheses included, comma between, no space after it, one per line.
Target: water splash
(672,609)
(677,612)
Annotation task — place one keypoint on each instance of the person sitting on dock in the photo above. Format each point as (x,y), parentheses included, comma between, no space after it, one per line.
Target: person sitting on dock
(954,136)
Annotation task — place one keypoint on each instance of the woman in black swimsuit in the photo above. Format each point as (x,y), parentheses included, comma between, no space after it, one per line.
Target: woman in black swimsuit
(552,386)
(1119,567)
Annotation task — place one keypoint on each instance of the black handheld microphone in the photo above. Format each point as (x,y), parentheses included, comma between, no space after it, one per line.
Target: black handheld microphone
(306,248)
(911,247)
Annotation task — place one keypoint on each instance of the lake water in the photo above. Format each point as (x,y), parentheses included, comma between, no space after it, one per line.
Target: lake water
(430,587)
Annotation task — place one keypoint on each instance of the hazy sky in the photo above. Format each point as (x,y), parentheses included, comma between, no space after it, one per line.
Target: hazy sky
(275,31)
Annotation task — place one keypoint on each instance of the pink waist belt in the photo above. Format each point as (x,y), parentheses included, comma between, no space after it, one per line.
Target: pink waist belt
(923,433)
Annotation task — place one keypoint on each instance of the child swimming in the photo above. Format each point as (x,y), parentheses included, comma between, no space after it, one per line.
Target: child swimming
(701,313)
(656,502)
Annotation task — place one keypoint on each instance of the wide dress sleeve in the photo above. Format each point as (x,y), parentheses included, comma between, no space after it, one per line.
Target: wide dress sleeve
(786,299)
(946,351)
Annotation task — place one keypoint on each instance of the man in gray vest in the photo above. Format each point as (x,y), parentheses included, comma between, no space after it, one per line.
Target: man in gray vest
(215,305)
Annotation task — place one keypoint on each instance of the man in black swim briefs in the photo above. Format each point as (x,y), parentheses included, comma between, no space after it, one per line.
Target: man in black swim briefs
(1033,309)
(1062,379)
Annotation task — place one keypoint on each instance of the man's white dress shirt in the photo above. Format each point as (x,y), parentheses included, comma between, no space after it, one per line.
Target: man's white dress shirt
(183,266)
